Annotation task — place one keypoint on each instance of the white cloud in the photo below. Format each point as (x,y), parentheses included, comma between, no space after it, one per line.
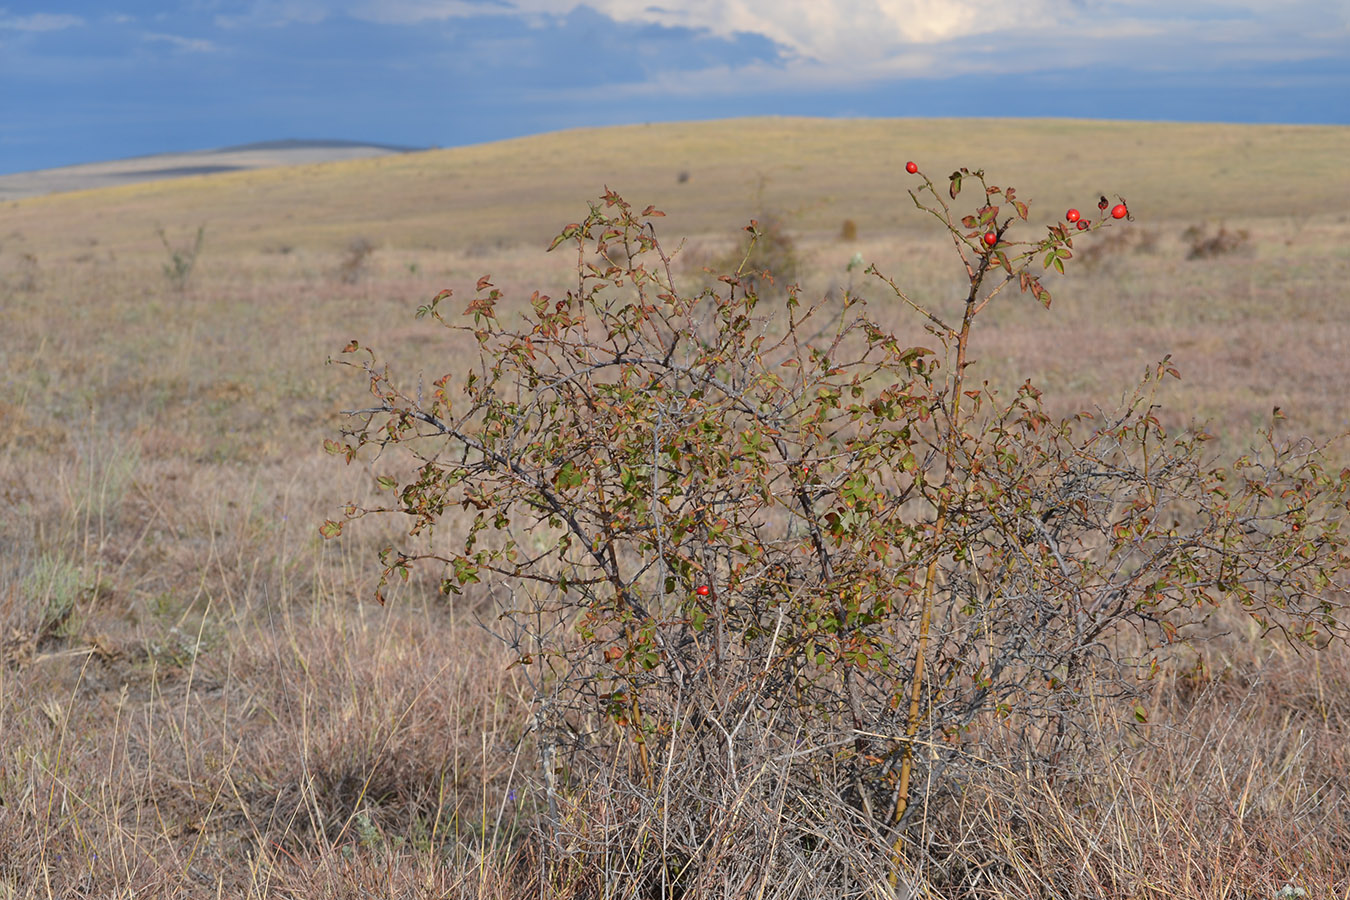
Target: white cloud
(39,22)
(825,30)
(189,45)
(838,30)
(871,36)
(850,41)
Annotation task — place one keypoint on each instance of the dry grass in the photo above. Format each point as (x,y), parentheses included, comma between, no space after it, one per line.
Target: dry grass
(514,193)
(198,698)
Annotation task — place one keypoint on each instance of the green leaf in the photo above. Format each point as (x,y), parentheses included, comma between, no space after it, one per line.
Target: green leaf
(956,185)
(914,353)
(856,489)
(431,307)
(697,618)
(465,571)
(569,232)
(386,483)
(330,529)
(569,476)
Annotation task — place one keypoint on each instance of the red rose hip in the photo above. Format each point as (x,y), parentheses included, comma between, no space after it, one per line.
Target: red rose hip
(912,167)
(1073,215)
(703,590)
(1082,226)
(990,238)
(1119,211)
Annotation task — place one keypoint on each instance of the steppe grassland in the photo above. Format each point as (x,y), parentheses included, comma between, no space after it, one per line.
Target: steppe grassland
(195,688)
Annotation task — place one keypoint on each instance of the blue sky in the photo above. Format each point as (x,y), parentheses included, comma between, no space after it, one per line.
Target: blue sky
(83,81)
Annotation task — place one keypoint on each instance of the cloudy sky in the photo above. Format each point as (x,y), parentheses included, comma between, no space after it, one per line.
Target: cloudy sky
(87,80)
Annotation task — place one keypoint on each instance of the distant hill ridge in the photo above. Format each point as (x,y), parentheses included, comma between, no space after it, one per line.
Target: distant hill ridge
(303,144)
(159,166)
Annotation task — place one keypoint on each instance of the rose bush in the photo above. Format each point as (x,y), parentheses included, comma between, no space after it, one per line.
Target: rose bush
(778,575)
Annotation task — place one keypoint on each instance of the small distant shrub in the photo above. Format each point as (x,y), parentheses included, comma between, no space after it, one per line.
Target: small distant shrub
(849,231)
(29,276)
(683,177)
(182,258)
(487,248)
(53,587)
(1118,245)
(1223,242)
(767,255)
(355,260)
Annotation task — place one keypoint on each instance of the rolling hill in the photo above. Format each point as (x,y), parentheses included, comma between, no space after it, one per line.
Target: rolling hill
(708,176)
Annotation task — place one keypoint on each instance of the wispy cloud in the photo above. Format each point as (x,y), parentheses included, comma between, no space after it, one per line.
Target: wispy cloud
(824,30)
(868,40)
(270,13)
(39,21)
(178,42)
(407,12)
